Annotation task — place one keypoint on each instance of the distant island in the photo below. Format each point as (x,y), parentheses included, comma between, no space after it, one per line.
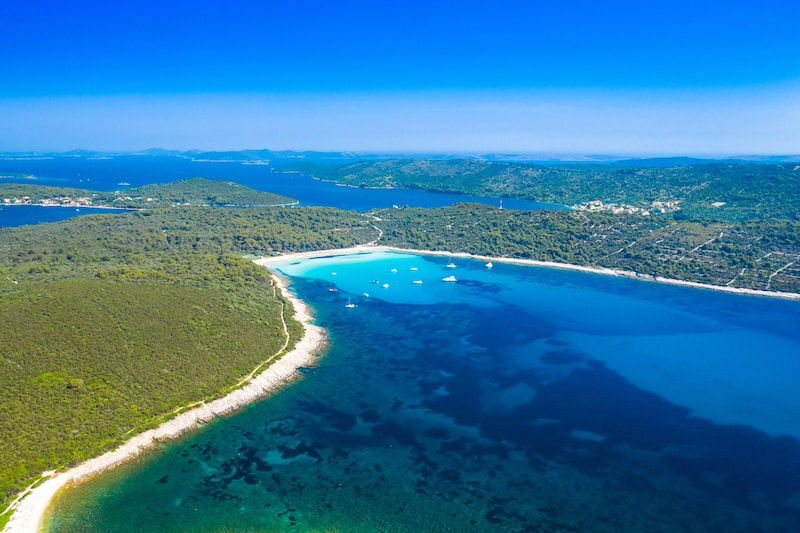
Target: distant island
(197,192)
(733,192)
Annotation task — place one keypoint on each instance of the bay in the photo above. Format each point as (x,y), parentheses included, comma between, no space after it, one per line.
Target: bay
(515,399)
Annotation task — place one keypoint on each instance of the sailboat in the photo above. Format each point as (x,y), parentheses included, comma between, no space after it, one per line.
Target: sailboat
(350,305)
(450,265)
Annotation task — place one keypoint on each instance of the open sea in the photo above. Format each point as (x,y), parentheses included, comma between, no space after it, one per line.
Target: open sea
(516,399)
(121,172)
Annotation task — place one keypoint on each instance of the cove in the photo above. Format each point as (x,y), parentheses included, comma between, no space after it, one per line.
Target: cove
(110,173)
(515,399)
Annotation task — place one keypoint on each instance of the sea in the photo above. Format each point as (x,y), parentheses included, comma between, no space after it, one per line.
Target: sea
(519,399)
(110,173)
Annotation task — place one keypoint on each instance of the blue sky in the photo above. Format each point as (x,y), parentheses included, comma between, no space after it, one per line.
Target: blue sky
(625,77)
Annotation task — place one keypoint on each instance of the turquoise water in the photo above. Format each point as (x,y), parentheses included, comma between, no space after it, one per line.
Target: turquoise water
(516,399)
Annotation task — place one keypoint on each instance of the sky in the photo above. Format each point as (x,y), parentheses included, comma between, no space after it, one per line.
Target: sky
(624,77)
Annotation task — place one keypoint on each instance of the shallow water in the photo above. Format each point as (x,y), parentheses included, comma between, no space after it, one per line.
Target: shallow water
(517,399)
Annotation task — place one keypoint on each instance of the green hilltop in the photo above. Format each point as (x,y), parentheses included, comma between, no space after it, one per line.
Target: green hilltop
(197,192)
(733,192)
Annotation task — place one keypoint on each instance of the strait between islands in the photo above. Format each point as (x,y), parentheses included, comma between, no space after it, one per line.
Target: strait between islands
(30,506)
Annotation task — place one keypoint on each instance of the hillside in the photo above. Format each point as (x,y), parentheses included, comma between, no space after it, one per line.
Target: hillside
(729,192)
(762,255)
(196,192)
(110,321)
(201,192)
(103,316)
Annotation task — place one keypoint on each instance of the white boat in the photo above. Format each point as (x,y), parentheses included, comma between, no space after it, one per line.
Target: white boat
(385,285)
(333,273)
(366,295)
(450,265)
(449,278)
(350,305)
(414,268)
(393,270)
(417,282)
(333,289)
(489,265)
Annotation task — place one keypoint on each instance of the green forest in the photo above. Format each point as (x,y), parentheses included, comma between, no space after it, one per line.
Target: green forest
(109,322)
(746,191)
(757,255)
(197,192)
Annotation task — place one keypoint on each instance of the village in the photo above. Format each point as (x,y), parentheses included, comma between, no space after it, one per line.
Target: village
(626,209)
(59,201)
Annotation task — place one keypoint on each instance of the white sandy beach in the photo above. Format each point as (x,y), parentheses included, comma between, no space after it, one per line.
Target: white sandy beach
(530,262)
(29,510)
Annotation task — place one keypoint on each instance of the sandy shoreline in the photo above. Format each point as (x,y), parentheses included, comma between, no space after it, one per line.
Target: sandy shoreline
(30,510)
(532,262)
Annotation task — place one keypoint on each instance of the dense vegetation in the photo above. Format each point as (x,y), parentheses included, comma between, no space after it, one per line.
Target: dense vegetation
(202,192)
(760,255)
(749,191)
(86,362)
(191,192)
(41,192)
(109,321)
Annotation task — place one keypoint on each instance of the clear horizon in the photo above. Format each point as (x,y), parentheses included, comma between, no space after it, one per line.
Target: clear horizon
(721,78)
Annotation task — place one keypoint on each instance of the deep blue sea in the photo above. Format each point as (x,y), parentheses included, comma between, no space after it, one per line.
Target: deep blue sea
(113,173)
(19,215)
(516,399)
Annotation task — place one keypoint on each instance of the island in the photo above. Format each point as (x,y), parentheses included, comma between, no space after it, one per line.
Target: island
(731,191)
(114,325)
(185,193)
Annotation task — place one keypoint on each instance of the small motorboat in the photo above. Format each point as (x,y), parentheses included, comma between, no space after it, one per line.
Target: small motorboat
(366,295)
(393,270)
(417,282)
(414,268)
(489,265)
(450,279)
(385,285)
(333,273)
(376,281)
(333,289)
